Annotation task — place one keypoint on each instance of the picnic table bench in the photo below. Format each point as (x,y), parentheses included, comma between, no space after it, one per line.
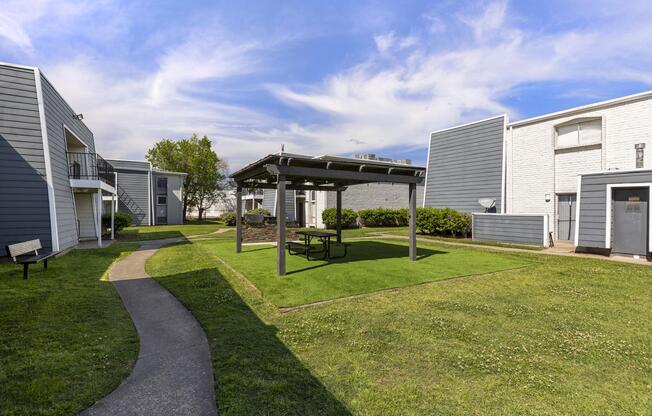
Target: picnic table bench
(306,248)
(27,253)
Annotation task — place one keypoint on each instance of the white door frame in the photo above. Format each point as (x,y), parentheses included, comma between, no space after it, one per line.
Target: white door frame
(608,226)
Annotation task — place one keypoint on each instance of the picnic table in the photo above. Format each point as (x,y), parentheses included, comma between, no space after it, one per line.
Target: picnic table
(307,249)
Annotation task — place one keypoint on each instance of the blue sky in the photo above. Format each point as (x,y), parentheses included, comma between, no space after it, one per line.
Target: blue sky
(323,77)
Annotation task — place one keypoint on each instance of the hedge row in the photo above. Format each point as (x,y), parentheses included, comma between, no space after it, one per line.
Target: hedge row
(432,221)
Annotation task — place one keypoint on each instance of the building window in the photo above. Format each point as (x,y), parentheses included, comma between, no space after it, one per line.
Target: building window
(580,133)
(161,185)
(161,199)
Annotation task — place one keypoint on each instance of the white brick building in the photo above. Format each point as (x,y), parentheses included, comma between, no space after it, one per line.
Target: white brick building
(540,166)
(600,152)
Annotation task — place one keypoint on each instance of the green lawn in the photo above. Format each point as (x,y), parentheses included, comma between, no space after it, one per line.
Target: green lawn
(155,232)
(369,266)
(564,336)
(65,339)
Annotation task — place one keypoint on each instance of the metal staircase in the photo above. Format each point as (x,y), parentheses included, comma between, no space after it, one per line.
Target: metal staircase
(133,209)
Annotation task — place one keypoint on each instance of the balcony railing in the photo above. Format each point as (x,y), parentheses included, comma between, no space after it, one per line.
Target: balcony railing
(90,166)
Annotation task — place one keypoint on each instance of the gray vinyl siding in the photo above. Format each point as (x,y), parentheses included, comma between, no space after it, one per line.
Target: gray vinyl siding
(133,195)
(129,164)
(593,204)
(85,216)
(132,189)
(24,205)
(514,229)
(375,195)
(290,205)
(466,164)
(58,113)
(269,201)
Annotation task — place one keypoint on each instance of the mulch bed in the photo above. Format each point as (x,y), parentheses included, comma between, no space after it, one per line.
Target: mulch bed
(267,234)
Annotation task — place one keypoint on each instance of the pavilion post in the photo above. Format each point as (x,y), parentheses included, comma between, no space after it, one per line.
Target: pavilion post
(338,216)
(238,219)
(413,221)
(280,225)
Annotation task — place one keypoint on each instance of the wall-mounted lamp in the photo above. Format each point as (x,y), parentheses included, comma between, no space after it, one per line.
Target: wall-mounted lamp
(547,197)
(640,149)
(79,116)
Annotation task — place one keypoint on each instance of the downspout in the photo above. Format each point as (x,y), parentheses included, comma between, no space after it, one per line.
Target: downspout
(151,197)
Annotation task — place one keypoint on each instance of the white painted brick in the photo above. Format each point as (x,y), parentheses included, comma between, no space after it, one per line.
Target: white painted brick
(534,169)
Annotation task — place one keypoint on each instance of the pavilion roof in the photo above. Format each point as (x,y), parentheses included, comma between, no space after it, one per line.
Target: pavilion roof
(323,172)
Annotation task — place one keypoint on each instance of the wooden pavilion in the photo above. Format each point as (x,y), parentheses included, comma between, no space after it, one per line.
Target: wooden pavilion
(286,171)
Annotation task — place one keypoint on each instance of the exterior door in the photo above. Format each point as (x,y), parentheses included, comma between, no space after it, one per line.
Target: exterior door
(630,220)
(161,214)
(566,216)
(301,214)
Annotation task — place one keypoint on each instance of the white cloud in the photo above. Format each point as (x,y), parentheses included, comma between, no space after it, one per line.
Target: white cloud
(444,73)
(384,103)
(389,41)
(22,20)
(128,113)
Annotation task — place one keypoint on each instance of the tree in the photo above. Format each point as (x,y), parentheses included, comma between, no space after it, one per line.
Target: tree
(194,156)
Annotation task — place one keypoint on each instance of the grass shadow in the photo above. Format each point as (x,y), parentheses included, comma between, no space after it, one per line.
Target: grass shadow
(156,235)
(255,372)
(371,250)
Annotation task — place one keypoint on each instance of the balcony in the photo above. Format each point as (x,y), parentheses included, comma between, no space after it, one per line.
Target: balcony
(90,167)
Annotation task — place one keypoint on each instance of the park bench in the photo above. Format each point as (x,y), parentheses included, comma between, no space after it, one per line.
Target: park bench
(27,253)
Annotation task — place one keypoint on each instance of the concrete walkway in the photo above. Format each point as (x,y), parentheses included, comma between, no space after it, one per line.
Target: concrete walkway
(560,250)
(174,373)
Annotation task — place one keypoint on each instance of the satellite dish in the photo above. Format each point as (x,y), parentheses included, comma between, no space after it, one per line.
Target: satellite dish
(487,203)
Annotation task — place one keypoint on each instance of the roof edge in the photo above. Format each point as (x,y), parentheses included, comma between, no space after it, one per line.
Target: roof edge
(583,108)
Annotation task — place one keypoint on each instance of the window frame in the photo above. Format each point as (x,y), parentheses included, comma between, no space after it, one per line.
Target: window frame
(578,123)
(158,201)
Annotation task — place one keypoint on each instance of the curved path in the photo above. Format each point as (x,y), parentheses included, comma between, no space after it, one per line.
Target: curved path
(174,373)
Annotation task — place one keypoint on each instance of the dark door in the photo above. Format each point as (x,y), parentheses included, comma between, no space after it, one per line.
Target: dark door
(301,214)
(630,220)
(566,216)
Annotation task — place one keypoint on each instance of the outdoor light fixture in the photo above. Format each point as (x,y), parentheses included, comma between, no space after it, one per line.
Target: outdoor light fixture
(79,116)
(547,197)
(640,149)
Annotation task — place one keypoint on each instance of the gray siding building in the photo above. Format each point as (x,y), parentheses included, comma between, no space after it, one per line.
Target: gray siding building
(307,207)
(585,169)
(465,164)
(52,181)
(375,195)
(292,198)
(24,206)
(149,196)
(614,212)
(515,229)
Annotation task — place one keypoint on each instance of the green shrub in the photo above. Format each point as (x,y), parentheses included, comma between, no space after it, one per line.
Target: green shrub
(446,221)
(384,217)
(259,211)
(121,220)
(228,218)
(349,218)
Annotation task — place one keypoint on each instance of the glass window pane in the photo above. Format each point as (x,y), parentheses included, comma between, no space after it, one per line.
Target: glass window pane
(591,132)
(567,136)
